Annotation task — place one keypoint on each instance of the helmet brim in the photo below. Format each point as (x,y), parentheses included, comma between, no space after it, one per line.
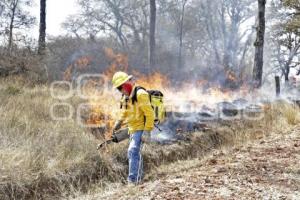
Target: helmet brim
(128,78)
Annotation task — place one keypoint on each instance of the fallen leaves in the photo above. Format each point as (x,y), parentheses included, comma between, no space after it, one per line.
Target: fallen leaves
(264,169)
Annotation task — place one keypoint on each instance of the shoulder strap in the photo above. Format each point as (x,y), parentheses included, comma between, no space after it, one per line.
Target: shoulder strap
(134,96)
(125,101)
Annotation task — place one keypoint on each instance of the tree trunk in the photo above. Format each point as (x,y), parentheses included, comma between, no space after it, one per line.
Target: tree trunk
(286,73)
(277,84)
(180,64)
(211,31)
(259,45)
(11,25)
(288,63)
(152,35)
(42,32)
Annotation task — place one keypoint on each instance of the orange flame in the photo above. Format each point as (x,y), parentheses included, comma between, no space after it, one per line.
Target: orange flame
(105,109)
(155,80)
(230,75)
(80,65)
(118,61)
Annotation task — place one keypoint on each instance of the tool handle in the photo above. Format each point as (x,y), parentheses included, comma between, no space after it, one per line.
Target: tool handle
(156,126)
(104,143)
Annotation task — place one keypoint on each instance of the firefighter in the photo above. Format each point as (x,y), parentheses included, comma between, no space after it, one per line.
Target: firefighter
(139,117)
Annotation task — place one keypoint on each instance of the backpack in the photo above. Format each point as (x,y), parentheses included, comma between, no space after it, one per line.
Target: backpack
(157,103)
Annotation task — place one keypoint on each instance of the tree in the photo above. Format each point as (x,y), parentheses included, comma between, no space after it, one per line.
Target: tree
(125,20)
(222,21)
(181,33)
(259,45)
(227,37)
(214,29)
(285,36)
(42,31)
(293,12)
(152,34)
(287,49)
(14,17)
(171,16)
(1,9)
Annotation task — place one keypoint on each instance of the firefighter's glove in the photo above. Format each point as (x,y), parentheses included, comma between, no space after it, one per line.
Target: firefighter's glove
(146,138)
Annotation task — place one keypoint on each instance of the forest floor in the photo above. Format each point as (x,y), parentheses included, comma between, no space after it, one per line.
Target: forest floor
(266,168)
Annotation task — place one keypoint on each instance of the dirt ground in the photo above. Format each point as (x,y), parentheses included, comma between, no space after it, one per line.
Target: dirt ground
(267,168)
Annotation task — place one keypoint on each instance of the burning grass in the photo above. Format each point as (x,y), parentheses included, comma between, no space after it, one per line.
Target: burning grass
(43,158)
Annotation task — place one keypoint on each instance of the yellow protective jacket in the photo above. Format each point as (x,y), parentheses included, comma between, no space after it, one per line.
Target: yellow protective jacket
(140,115)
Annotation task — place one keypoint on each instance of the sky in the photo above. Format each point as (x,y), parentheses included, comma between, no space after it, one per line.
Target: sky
(56,13)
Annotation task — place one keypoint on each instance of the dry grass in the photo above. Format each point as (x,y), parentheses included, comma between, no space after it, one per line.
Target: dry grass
(29,134)
(32,144)
(290,113)
(41,158)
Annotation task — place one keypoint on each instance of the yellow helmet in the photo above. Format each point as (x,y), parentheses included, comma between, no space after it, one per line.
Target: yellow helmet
(119,78)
